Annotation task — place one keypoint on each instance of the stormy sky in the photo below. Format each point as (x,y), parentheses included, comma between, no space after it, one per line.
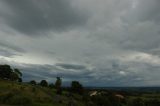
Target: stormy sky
(97,42)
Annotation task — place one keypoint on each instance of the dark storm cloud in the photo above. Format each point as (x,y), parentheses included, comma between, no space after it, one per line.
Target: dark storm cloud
(145,10)
(35,16)
(115,44)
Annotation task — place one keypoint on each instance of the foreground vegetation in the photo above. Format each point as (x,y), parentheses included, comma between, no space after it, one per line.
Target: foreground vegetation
(14,92)
(22,94)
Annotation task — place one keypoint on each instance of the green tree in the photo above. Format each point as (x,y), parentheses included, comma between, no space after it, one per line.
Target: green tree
(6,72)
(58,84)
(44,83)
(19,79)
(18,72)
(76,87)
(33,82)
(14,76)
(51,85)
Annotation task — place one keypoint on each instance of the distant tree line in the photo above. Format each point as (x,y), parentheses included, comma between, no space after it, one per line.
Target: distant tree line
(75,87)
(8,73)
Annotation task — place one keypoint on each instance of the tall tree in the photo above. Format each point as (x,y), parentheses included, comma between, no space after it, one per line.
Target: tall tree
(58,84)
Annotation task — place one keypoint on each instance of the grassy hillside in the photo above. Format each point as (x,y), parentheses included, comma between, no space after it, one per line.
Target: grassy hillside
(21,94)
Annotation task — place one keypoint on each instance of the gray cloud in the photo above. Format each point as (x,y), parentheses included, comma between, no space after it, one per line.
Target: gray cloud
(6,53)
(10,50)
(145,10)
(49,72)
(114,74)
(99,43)
(71,66)
(34,17)
(7,45)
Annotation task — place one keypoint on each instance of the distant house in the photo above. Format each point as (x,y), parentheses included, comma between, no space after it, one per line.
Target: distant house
(93,93)
(119,96)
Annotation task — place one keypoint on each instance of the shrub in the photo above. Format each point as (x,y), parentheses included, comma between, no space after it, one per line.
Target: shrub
(136,102)
(76,87)
(20,100)
(51,86)
(15,99)
(5,97)
(33,82)
(44,83)
(152,102)
(33,89)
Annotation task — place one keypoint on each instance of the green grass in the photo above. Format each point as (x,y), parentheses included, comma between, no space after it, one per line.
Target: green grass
(22,94)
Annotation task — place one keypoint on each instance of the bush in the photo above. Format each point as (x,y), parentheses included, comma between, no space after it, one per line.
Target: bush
(76,87)
(33,82)
(20,100)
(15,99)
(4,97)
(33,89)
(19,79)
(100,100)
(44,83)
(152,102)
(51,86)
(136,102)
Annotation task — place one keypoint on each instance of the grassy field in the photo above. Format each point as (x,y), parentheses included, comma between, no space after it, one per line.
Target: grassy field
(21,94)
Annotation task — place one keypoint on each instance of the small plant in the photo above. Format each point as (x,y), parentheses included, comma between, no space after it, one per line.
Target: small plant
(20,100)
(33,89)
(22,87)
(5,97)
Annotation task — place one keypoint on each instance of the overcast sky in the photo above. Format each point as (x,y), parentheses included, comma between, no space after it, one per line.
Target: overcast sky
(97,42)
